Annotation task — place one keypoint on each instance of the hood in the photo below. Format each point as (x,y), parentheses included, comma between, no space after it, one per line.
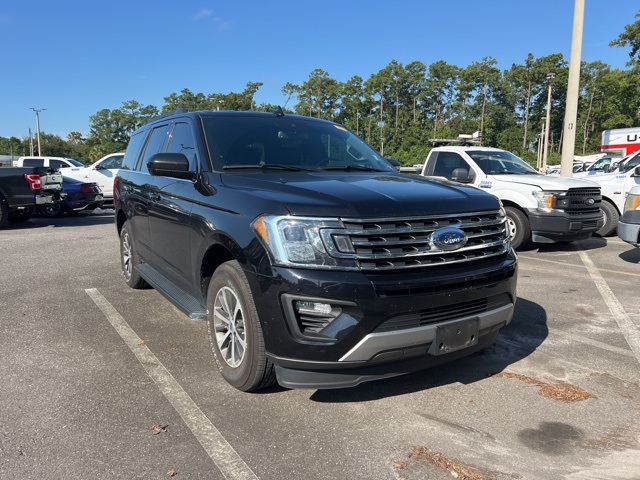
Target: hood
(358,194)
(545,182)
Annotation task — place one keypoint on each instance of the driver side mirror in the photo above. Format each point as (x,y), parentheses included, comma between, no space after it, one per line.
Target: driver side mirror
(460,175)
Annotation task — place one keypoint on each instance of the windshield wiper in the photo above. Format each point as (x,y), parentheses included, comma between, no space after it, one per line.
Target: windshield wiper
(362,168)
(265,166)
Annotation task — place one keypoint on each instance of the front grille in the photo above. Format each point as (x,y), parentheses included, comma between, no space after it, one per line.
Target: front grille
(388,244)
(579,201)
(441,314)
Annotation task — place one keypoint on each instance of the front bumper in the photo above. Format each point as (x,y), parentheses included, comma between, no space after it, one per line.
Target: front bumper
(386,325)
(628,228)
(558,226)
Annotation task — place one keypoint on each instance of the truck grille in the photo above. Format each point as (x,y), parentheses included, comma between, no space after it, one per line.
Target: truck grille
(387,244)
(579,201)
(444,313)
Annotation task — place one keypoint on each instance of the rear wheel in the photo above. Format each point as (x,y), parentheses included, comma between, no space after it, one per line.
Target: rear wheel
(235,332)
(129,259)
(518,228)
(611,218)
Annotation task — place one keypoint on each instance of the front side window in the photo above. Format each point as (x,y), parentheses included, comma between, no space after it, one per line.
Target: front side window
(181,141)
(156,141)
(288,143)
(447,162)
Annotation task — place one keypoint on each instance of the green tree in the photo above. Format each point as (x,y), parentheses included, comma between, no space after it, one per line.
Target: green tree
(630,38)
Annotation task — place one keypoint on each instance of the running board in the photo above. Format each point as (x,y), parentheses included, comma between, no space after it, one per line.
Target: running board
(181,299)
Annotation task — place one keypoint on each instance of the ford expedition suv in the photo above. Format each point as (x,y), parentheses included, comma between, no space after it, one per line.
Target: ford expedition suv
(314,262)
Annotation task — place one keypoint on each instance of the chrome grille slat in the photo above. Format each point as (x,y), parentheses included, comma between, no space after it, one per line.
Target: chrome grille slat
(388,244)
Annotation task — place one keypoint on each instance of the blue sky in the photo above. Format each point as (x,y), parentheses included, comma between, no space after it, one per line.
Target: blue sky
(75,58)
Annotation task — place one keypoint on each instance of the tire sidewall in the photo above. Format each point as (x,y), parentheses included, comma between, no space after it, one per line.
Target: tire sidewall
(611,218)
(520,228)
(243,376)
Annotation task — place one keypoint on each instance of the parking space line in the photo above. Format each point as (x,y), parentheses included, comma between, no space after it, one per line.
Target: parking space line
(569,272)
(593,343)
(219,450)
(626,325)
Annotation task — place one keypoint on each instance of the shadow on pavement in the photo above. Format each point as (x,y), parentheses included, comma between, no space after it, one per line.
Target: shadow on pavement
(519,339)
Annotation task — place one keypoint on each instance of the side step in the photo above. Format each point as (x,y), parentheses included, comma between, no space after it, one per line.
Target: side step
(181,299)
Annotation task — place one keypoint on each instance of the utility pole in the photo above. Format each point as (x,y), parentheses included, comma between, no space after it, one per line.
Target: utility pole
(38,110)
(571,114)
(545,152)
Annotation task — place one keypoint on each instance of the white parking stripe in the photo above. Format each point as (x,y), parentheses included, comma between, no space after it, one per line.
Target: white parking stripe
(626,325)
(221,452)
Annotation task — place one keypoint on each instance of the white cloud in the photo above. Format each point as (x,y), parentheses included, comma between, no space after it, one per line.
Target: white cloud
(207,14)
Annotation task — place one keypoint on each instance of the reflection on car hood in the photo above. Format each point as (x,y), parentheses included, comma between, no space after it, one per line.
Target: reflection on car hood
(545,182)
(360,194)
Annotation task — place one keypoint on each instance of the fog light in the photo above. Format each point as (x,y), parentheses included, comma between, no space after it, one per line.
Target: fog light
(310,308)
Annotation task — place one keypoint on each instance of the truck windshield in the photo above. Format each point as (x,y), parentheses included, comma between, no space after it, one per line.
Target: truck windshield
(500,163)
(241,143)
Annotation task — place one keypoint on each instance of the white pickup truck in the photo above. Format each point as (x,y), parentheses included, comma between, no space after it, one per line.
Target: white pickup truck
(102,172)
(615,187)
(540,208)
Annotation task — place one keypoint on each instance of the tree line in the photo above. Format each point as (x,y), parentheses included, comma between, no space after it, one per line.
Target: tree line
(401,108)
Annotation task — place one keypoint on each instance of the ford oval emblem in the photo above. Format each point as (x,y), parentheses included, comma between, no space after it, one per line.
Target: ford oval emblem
(449,238)
(589,201)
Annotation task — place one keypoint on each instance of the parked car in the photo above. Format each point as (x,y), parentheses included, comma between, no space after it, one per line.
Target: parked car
(540,208)
(629,225)
(102,172)
(77,196)
(51,162)
(313,260)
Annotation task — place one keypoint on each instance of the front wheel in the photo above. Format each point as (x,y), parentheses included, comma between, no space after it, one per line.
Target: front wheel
(235,332)
(518,228)
(611,218)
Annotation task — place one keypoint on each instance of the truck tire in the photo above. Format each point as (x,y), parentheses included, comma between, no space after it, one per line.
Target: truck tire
(235,332)
(611,218)
(19,216)
(518,228)
(129,259)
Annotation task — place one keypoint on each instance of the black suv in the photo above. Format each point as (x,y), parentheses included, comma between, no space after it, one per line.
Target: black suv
(313,260)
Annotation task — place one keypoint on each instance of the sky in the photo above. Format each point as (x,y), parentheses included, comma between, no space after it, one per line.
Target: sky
(74,58)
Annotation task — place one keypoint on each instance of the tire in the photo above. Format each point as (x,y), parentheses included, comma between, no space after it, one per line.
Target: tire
(129,259)
(235,332)
(4,211)
(19,216)
(51,210)
(518,228)
(611,218)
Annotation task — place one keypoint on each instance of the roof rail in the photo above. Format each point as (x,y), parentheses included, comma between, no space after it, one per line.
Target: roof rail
(168,114)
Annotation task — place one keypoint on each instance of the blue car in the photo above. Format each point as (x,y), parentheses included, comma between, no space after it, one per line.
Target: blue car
(77,196)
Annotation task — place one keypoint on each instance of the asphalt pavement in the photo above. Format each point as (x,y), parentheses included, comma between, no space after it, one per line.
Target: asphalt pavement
(101,381)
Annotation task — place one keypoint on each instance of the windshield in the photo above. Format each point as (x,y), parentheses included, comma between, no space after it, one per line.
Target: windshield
(500,162)
(287,143)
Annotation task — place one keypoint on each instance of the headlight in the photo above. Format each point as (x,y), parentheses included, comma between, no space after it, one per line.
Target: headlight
(302,241)
(550,199)
(632,202)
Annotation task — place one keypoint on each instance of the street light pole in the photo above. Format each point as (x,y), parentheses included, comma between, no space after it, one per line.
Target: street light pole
(38,110)
(573,90)
(545,152)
